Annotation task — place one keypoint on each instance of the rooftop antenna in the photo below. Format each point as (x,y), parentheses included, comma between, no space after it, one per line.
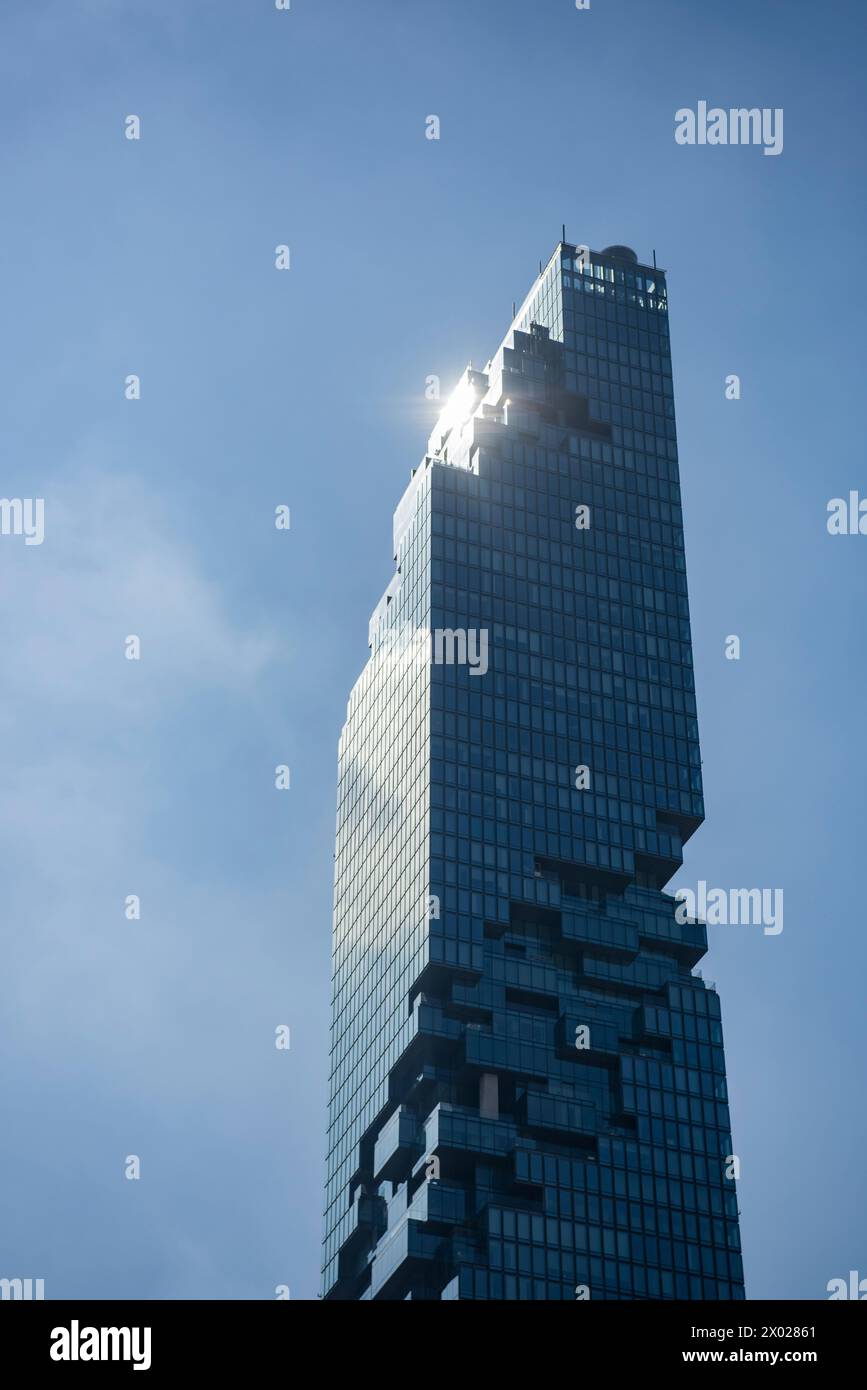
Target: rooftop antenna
(563,238)
(514,309)
(654,260)
(540,267)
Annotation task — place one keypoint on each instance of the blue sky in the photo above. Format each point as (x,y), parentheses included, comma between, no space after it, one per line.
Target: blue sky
(306,388)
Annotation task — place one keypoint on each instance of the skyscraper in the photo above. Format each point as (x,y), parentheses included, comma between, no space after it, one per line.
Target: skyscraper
(528,1093)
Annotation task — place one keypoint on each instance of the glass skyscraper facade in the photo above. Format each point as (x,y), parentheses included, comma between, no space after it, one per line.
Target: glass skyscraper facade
(528,1092)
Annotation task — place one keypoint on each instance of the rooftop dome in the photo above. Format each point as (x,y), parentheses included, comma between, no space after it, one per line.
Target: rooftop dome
(621,253)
